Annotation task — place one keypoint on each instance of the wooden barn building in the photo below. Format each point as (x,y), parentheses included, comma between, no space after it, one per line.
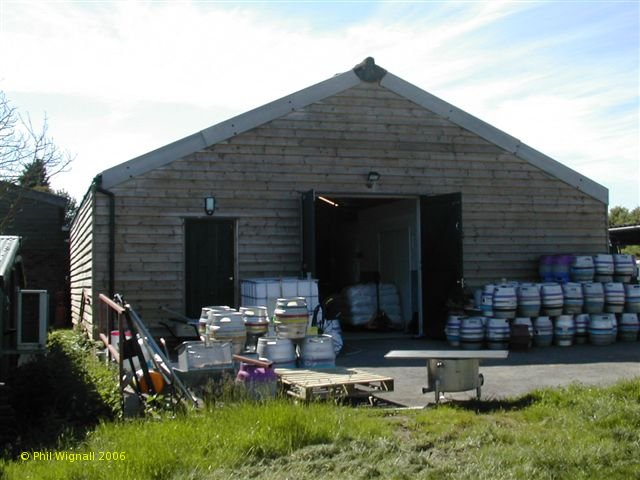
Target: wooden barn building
(358,174)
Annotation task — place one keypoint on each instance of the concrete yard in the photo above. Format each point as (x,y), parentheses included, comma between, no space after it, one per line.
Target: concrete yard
(519,373)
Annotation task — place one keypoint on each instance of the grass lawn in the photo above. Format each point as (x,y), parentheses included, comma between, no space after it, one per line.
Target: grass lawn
(575,433)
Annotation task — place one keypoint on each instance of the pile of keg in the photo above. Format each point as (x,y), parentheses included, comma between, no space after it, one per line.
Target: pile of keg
(281,339)
(589,303)
(242,328)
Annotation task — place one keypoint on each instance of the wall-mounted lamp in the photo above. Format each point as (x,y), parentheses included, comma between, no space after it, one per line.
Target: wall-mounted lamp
(209,205)
(372,178)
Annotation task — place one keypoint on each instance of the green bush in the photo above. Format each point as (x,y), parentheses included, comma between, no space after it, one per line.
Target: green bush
(63,392)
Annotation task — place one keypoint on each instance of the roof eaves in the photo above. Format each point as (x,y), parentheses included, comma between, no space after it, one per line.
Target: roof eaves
(227,129)
(495,136)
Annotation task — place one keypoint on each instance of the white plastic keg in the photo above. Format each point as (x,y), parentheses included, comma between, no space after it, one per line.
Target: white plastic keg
(582,328)
(623,267)
(281,351)
(601,328)
(582,268)
(542,331)
(472,332)
(613,297)
(564,330)
(498,333)
(593,293)
(628,327)
(632,298)
(529,302)
(291,317)
(604,268)
(317,352)
(573,298)
(552,299)
(505,301)
(452,330)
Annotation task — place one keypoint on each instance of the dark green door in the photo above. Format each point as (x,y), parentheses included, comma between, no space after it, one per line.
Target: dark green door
(209,264)
(441,252)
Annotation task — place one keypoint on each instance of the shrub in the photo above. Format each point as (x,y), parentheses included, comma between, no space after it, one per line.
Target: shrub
(63,392)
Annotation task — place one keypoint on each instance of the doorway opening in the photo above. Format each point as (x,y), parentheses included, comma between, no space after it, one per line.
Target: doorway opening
(413,244)
(361,239)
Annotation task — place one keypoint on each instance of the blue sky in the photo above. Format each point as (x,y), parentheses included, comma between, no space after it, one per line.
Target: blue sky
(118,79)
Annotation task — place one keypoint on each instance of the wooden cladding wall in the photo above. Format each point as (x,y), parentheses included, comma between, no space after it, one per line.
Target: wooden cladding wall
(81,256)
(512,211)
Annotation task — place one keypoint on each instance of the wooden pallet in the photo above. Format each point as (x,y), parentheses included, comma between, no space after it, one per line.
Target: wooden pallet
(331,383)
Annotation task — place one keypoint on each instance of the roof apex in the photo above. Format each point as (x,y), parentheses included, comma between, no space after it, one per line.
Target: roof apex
(367,71)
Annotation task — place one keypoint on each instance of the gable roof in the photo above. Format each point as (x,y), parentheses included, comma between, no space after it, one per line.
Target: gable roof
(31,194)
(367,71)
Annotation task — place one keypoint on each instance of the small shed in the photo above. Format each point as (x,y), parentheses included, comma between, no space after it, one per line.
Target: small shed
(363,173)
(38,218)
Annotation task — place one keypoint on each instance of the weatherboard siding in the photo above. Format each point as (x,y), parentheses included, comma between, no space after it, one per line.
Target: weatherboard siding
(81,261)
(512,211)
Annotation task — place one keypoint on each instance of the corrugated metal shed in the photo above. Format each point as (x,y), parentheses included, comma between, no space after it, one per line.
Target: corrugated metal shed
(9,246)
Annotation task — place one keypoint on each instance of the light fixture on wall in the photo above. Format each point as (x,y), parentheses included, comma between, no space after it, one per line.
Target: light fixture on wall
(209,205)
(372,179)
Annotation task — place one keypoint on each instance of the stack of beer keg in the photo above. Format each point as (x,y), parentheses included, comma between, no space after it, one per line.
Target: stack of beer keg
(580,299)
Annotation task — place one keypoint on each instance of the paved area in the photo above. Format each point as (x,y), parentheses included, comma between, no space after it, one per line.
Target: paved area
(519,373)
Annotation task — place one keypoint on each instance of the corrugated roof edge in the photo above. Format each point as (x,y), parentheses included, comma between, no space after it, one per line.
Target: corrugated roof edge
(261,115)
(229,128)
(9,246)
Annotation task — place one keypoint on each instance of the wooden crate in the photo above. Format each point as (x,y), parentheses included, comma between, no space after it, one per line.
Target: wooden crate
(331,383)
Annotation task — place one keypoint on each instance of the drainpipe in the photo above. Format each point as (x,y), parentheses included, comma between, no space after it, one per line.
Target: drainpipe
(97,182)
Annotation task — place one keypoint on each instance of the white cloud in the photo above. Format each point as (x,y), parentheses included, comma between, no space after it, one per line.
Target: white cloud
(213,60)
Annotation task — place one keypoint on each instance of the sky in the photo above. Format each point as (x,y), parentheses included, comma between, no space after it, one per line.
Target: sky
(117,79)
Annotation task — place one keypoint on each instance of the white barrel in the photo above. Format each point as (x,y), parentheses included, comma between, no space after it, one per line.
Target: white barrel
(228,327)
(281,351)
(582,268)
(486,300)
(256,321)
(628,327)
(632,298)
(472,332)
(317,352)
(497,333)
(573,298)
(552,299)
(582,328)
(452,329)
(542,331)
(593,293)
(564,330)
(623,267)
(204,316)
(529,302)
(291,317)
(601,328)
(505,301)
(613,297)
(603,263)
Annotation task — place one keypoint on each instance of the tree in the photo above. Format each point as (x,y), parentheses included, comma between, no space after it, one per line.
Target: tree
(622,216)
(619,216)
(24,148)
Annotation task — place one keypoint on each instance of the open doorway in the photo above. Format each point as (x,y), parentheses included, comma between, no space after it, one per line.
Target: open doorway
(412,243)
(357,240)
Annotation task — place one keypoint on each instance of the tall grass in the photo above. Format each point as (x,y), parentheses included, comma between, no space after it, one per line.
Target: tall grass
(575,433)
(191,445)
